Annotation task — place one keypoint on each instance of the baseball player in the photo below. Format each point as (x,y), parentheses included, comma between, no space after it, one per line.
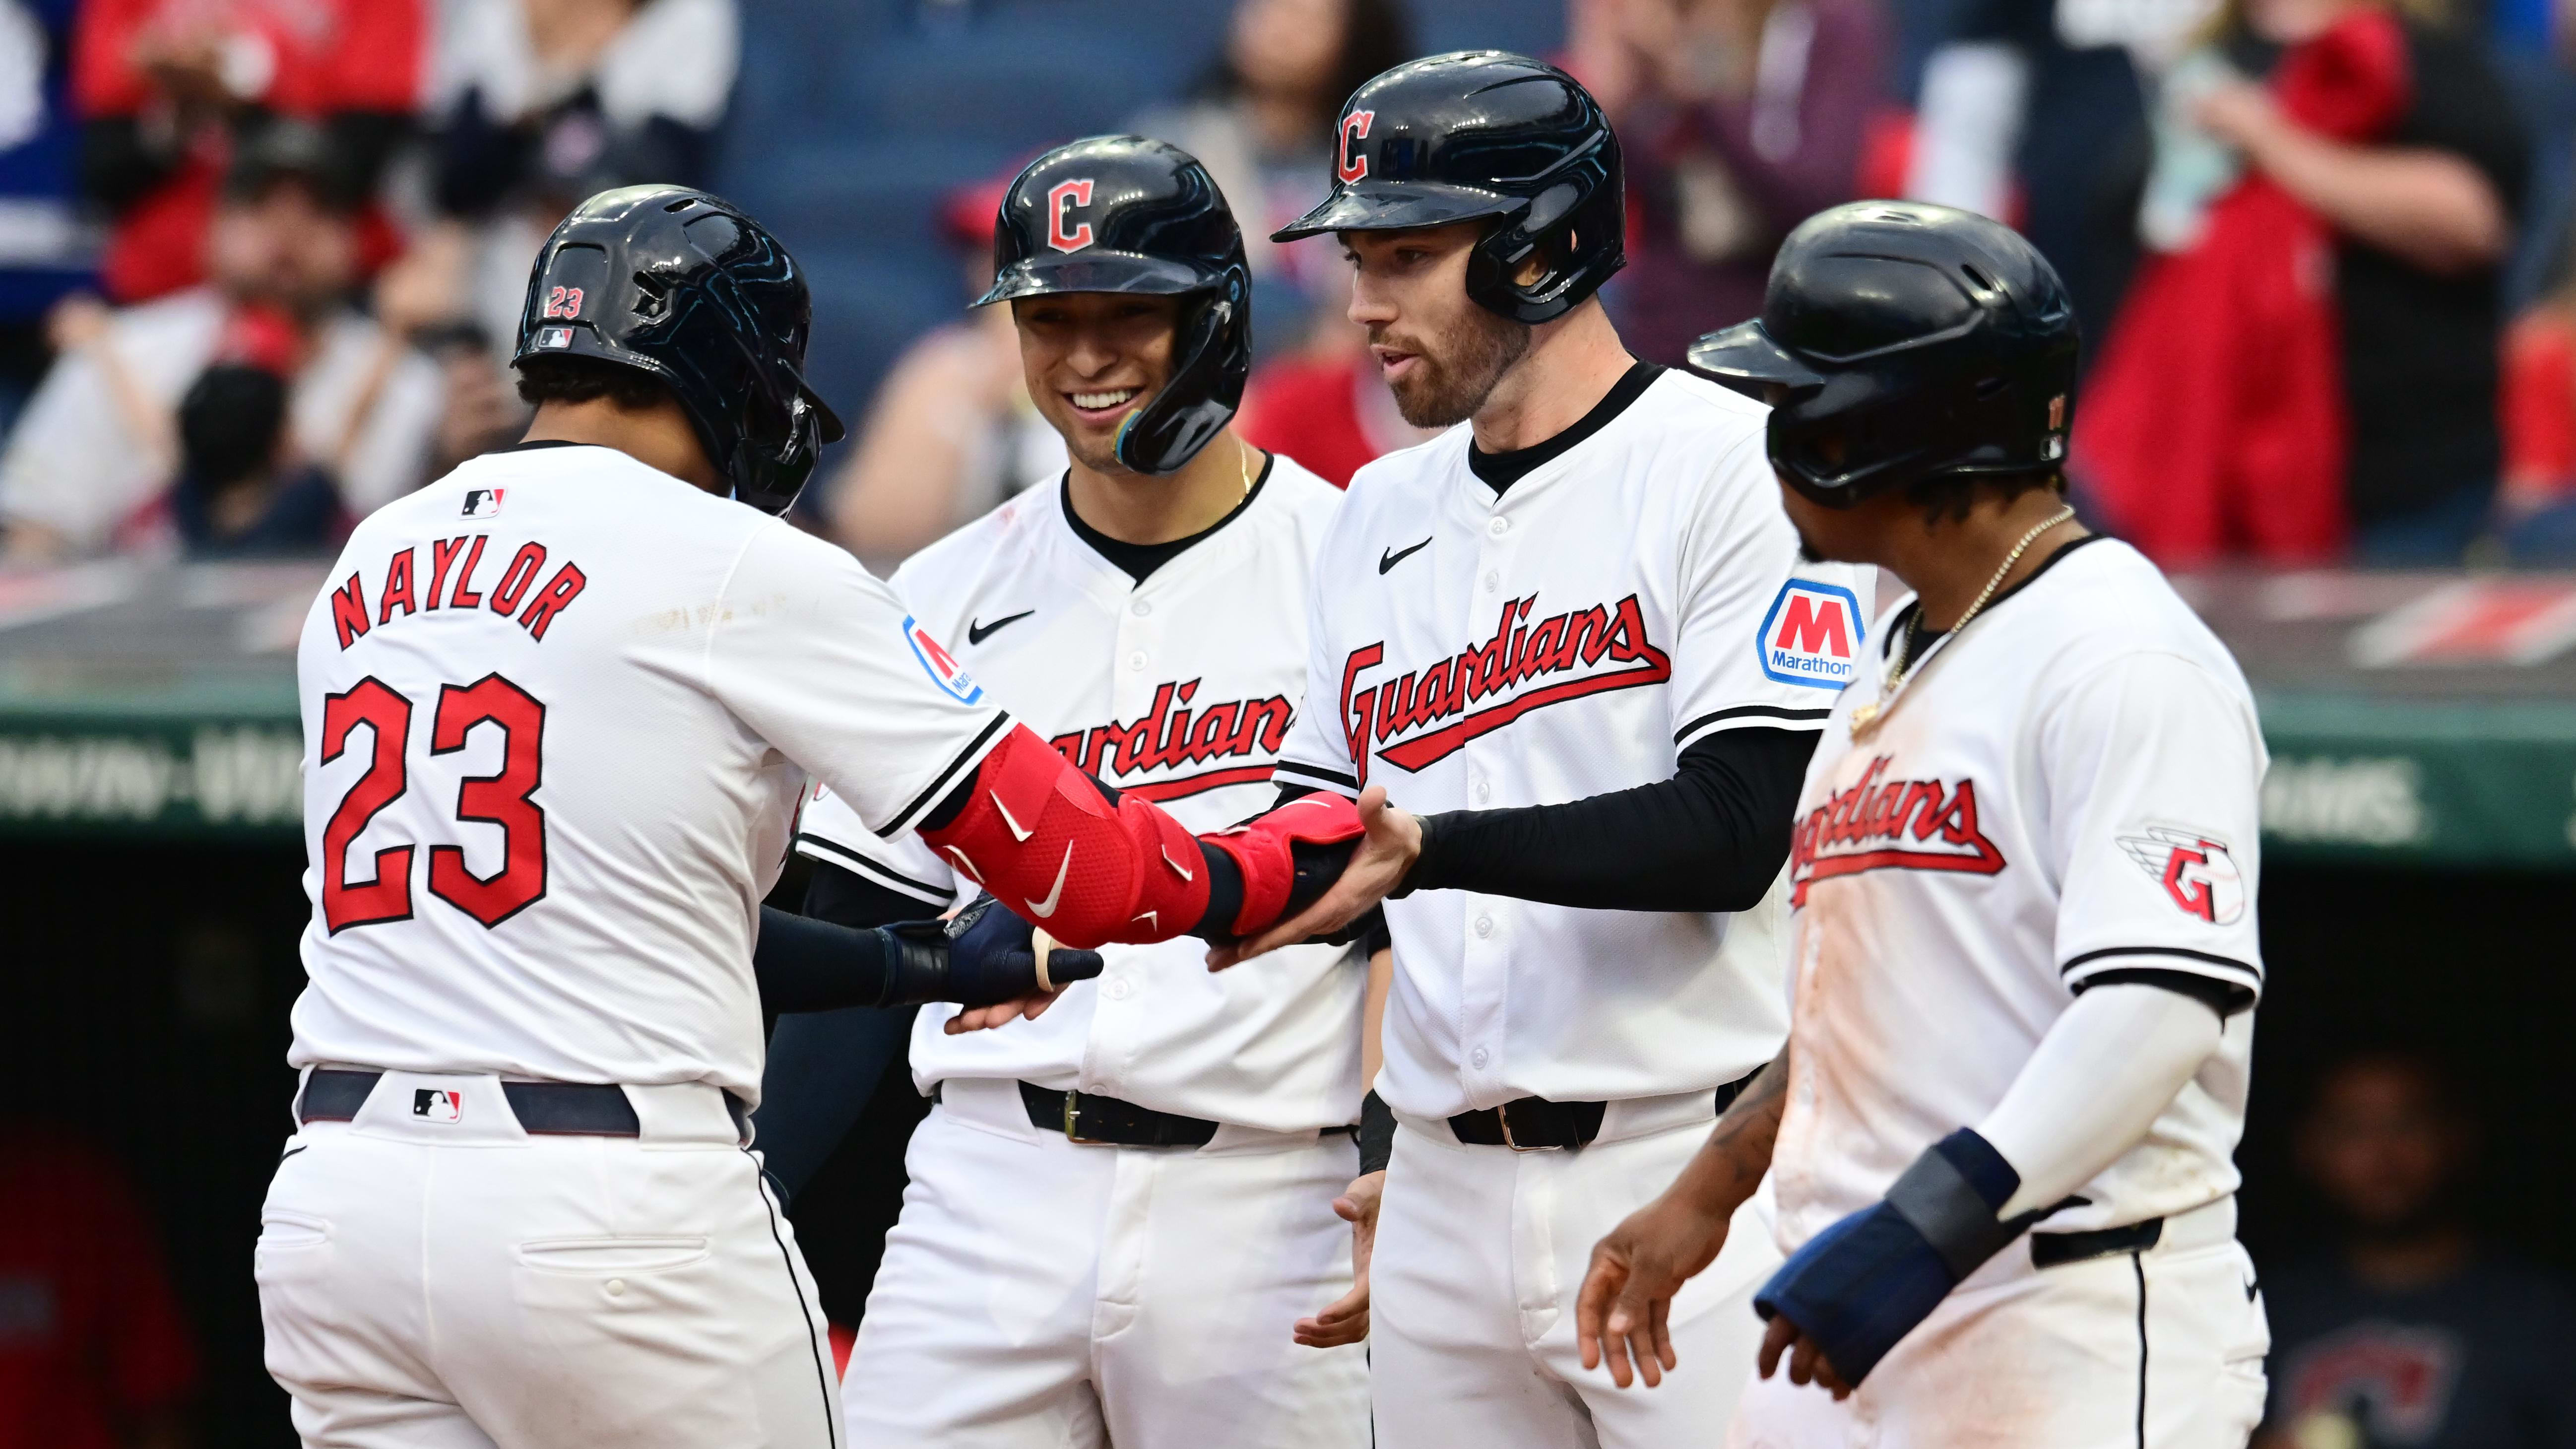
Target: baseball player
(1573,641)
(560,707)
(2024,940)
(1118,1210)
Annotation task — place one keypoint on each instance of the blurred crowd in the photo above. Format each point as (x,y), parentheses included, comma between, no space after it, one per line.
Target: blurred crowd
(261,260)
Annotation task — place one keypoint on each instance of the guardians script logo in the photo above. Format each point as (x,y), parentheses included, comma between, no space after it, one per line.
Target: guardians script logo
(1240,737)
(1417,719)
(1882,824)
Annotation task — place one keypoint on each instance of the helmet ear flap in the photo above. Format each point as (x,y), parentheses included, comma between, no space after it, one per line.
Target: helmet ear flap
(1575,231)
(1210,350)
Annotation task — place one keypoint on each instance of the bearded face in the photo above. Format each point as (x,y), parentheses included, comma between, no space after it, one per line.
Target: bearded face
(1441,354)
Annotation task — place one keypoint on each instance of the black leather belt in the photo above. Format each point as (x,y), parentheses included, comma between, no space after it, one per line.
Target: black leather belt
(1535,1124)
(548,1109)
(1107,1120)
(2056,1250)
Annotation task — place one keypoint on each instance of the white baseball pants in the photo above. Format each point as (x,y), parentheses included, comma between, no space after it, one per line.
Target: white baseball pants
(2160,1349)
(459,1284)
(1042,1294)
(1480,1253)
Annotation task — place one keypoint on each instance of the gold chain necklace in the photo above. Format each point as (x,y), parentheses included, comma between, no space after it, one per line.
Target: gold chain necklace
(1243,456)
(1865,719)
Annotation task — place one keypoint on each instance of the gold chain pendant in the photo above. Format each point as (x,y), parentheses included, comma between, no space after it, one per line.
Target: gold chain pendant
(1864,720)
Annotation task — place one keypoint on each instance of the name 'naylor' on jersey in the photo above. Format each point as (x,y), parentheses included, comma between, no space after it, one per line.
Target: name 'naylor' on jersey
(400,589)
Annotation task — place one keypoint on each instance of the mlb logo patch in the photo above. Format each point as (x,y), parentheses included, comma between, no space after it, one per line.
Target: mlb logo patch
(1812,636)
(554,337)
(483,502)
(939,664)
(437,1106)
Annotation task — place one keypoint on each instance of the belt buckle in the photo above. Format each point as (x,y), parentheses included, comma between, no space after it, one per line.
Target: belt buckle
(1073,1114)
(1503,1115)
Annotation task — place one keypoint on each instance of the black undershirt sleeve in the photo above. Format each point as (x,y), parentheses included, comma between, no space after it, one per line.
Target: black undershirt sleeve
(2224,997)
(823,1066)
(1711,838)
(804,964)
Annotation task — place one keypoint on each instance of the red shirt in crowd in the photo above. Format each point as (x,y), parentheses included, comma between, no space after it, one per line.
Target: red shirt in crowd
(310,58)
(2536,405)
(90,1339)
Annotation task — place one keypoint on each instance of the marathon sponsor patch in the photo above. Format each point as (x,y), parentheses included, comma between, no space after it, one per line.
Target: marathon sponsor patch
(939,664)
(2198,871)
(438,1106)
(1812,635)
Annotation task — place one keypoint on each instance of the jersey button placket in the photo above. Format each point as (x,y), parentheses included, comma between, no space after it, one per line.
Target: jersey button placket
(1485,940)
(1139,643)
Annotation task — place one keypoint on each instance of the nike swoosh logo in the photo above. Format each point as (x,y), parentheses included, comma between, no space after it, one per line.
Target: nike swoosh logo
(1045,908)
(1016,832)
(977,631)
(1392,557)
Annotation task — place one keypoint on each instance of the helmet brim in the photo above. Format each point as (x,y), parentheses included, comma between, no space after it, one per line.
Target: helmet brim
(1745,358)
(1398,207)
(1093,270)
(828,421)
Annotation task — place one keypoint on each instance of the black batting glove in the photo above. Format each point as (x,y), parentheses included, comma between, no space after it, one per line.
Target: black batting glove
(982,956)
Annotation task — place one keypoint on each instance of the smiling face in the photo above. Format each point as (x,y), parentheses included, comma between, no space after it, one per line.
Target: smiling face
(1440,353)
(1091,358)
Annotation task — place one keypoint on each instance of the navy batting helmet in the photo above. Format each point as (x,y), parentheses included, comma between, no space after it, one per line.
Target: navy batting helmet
(1124,214)
(1900,342)
(682,285)
(1484,134)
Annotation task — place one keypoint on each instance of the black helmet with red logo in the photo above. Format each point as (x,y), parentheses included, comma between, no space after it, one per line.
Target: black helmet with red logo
(1125,214)
(1485,134)
(682,285)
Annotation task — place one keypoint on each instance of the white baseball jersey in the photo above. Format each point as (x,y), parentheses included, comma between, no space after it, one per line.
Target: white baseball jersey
(2068,787)
(558,712)
(1633,594)
(1179,689)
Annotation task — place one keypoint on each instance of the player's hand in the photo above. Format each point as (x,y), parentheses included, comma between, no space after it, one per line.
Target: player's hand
(1623,1311)
(1392,844)
(985,1018)
(1346,1319)
(1052,967)
(1807,1362)
(993,963)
